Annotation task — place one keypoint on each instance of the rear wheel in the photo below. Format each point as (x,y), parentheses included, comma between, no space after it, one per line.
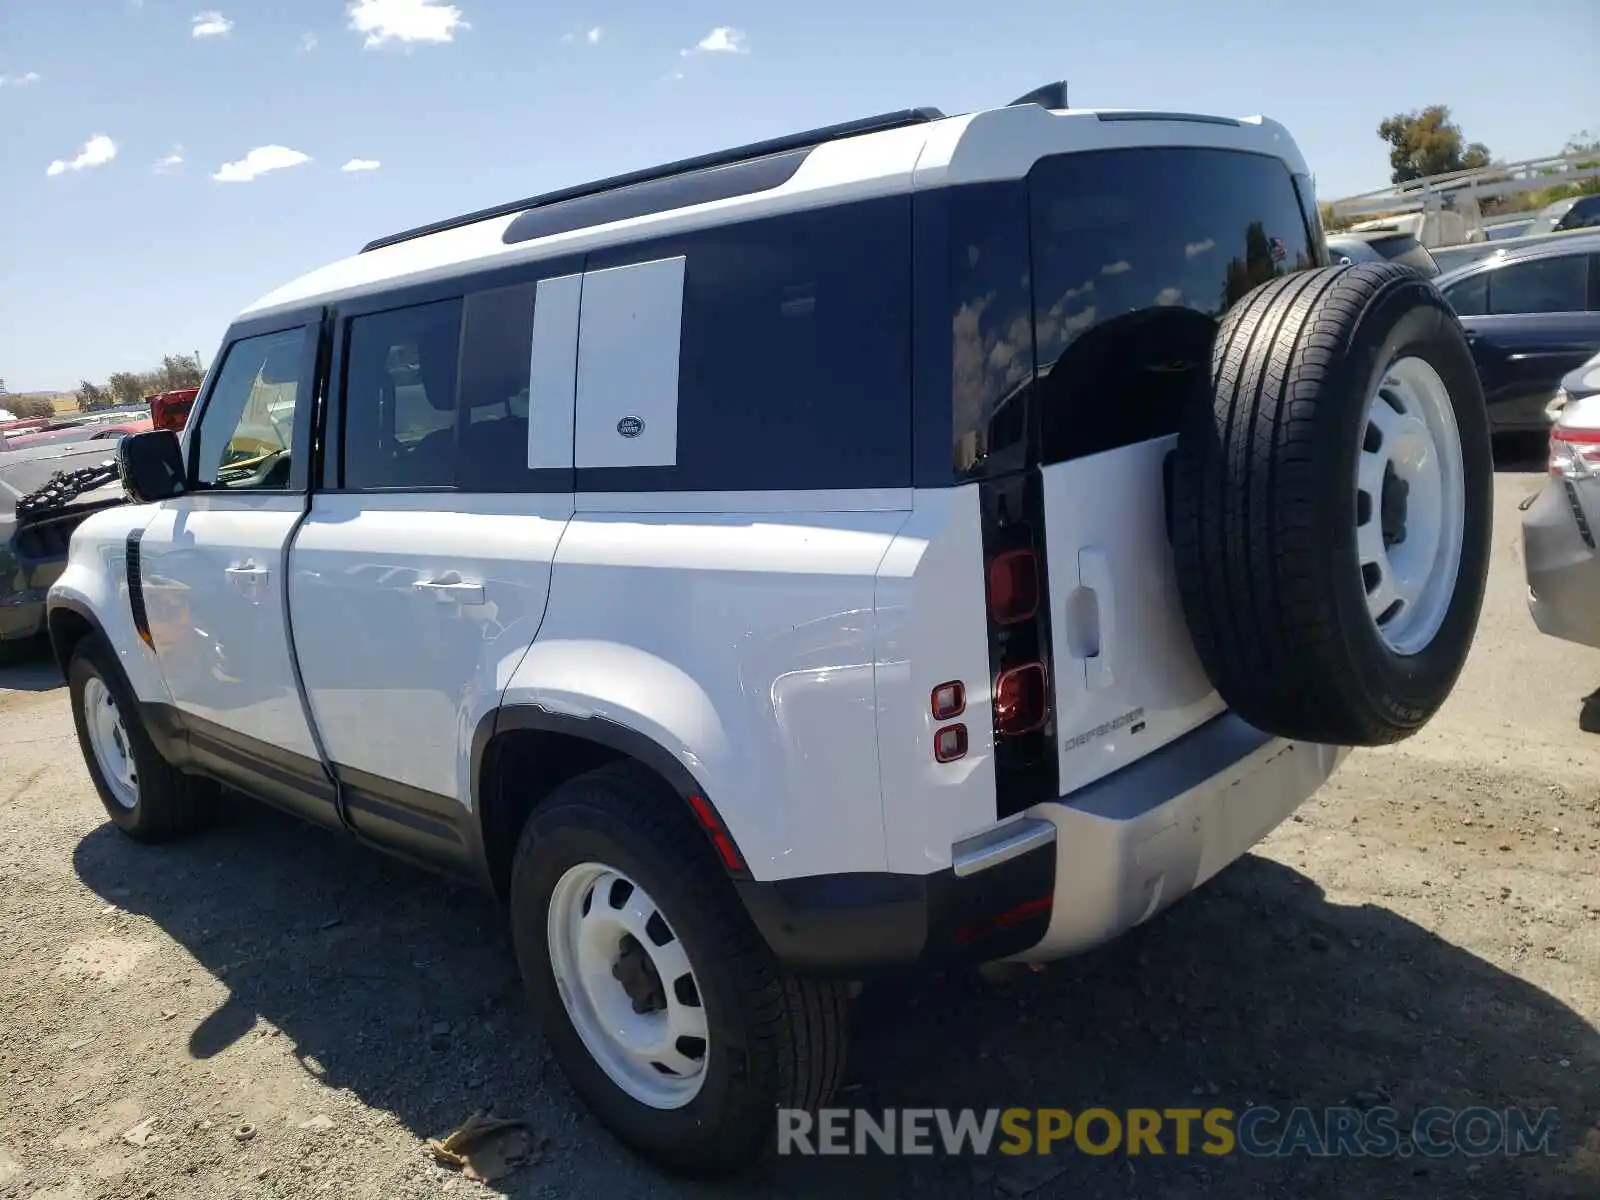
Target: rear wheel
(1331,506)
(657,996)
(145,796)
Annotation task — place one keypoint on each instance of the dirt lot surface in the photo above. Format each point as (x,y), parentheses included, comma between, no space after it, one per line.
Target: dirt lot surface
(273,1012)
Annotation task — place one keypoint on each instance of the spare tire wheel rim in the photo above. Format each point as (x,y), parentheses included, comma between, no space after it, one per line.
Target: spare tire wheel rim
(108,739)
(1410,505)
(627,985)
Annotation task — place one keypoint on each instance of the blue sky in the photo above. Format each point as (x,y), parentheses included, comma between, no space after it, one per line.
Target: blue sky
(114,254)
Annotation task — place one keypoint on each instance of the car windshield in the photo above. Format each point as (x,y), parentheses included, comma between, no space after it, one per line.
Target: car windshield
(1549,218)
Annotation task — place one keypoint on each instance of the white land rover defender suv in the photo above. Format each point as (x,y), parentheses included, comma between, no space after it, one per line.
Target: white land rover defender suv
(925,540)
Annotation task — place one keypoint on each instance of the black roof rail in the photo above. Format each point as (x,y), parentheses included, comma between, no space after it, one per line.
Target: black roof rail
(720,158)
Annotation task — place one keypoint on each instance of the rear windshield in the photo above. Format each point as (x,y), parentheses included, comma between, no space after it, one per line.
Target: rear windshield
(1136,253)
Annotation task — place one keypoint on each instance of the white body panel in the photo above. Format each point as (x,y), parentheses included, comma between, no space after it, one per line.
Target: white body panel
(628,336)
(742,642)
(212,567)
(552,371)
(95,580)
(1127,680)
(398,673)
(931,630)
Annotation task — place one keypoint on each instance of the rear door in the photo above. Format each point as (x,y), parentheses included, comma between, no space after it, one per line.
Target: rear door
(421,574)
(1136,253)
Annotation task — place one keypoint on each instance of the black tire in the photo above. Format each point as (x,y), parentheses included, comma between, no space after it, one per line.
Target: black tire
(776,1040)
(1265,504)
(170,804)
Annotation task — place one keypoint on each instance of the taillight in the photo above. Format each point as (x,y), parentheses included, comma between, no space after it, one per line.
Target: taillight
(950,743)
(1013,586)
(948,700)
(1021,700)
(1574,452)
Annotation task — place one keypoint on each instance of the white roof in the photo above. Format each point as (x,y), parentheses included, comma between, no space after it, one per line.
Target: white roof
(998,144)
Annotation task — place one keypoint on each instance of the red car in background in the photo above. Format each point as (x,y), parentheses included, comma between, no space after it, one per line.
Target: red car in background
(170,410)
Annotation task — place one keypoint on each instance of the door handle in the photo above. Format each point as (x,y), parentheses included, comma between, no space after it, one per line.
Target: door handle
(1094,573)
(450,589)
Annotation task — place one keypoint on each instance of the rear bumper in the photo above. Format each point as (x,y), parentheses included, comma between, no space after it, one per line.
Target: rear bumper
(1140,840)
(1064,876)
(1562,566)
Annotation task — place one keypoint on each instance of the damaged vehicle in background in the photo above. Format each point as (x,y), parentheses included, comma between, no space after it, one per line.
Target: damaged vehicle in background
(50,480)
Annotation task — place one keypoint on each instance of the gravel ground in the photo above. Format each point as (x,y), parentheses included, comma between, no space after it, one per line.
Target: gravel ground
(275,1013)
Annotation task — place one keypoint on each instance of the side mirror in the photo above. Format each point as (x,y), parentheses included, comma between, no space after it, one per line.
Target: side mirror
(151,465)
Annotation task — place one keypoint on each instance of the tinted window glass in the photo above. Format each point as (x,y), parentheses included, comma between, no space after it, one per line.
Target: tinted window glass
(1582,215)
(1136,253)
(246,434)
(400,397)
(794,364)
(990,327)
(1541,285)
(1470,297)
(496,349)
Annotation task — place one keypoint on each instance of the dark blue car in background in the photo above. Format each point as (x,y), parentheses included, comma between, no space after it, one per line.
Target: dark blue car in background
(1531,315)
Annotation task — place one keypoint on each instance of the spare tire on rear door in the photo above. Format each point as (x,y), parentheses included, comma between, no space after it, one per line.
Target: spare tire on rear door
(1331,505)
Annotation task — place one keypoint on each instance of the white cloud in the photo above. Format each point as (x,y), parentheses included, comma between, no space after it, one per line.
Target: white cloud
(361,164)
(1168,296)
(210,23)
(258,162)
(1190,249)
(308,43)
(723,40)
(405,21)
(24,80)
(97,151)
(166,164)
(1116,268)
(593,35)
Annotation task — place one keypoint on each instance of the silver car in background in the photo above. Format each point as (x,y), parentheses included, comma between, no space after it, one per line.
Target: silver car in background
(1558,528)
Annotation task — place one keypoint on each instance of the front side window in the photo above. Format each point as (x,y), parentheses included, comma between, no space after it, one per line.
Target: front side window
(1541,285)
(245,438)
(400,397)
(1470,297)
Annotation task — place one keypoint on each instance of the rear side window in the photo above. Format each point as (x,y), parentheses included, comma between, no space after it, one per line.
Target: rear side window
(1136,253)
(400,397)
(794,357)
(496,352)
(1540,285)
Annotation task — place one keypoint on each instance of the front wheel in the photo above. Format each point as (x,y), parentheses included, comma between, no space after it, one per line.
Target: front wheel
(145,796)
(658,998)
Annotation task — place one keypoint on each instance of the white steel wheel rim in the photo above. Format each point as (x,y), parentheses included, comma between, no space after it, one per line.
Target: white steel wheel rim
(613,954)
(108,738)
(1411,505)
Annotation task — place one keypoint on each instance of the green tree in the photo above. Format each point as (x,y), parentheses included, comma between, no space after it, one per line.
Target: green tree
(91,397)
(180,371)
(127,387)
(31,406)
(1428,143)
